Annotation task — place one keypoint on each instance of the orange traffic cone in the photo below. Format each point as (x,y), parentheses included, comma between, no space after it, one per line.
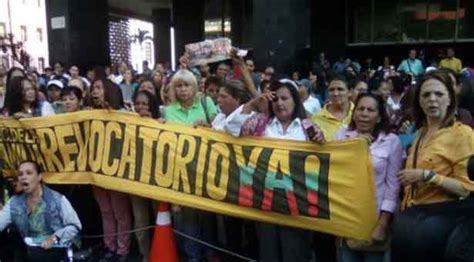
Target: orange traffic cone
(164,246)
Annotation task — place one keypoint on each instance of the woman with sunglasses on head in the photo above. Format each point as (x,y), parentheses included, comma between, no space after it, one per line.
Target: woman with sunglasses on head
(435,178)
(286,120)
(370,121)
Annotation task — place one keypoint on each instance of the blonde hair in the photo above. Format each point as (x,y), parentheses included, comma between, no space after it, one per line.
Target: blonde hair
(183,75)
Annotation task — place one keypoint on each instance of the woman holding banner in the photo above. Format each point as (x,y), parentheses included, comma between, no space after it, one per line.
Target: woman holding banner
(24,100)
(187,108)
(286,120)
(370,121)
(146,105)
(232,97)
(336,114)
(436,207)
(114,206)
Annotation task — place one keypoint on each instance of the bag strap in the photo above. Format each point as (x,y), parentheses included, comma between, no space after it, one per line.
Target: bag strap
(409,66)
(415,162)
(204,106)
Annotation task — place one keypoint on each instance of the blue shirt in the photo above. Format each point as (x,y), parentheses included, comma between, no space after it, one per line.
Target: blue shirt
(414,66)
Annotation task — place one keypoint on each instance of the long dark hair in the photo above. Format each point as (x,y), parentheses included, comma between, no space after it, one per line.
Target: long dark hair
(10,73)
(419,115)
(10,85)
(153,103)
(299,110)
(112,93)
(381,126)
(16,96)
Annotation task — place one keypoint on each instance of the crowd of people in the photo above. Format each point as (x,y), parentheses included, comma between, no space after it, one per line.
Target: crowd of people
(417,121)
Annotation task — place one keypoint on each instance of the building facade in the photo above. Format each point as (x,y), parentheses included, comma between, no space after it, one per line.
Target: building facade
(25,20)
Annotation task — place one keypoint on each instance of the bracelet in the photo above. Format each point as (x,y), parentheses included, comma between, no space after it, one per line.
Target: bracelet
(436,180)
(428,176)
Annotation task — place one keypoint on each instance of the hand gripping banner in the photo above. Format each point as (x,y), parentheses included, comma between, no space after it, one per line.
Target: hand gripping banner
(327,188)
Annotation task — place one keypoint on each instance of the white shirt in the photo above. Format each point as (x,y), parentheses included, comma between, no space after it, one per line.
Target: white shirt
(232,123)
(294,131)
(47,109)
(394,105)
(312,105)
(116,79)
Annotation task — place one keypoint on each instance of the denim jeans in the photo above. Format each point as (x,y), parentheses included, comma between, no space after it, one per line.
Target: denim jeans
(198,224)
(422,233)
(345,254)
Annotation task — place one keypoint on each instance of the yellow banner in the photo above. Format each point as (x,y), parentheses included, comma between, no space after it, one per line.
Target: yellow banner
(326,188)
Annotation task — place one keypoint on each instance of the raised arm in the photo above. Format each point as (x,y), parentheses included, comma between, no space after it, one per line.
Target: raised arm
(248,82)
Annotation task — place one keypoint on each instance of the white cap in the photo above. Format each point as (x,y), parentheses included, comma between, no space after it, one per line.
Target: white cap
(56,83)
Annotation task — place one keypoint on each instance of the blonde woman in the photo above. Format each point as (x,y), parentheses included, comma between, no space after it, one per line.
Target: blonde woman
(190,109)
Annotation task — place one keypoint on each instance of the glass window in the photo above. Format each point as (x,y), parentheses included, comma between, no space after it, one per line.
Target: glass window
(386,21)
(148,51)
(39,33)
(213,27)
(41,64)
(413,14)
(23,33)
(466,19)
(442,19)
(3,30)
(360,19)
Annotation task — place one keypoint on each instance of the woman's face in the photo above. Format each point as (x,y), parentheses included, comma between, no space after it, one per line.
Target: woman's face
(338,93)
(359,88)
(350,71)
(128,76)
(385,90)
(147,86)
(212,92)
(71,103)
(29,92)
(98,94)
(366,115)
(202,84)
(283,105)
(142,105)
(90,75)
(226,102)
(184,91)
(29,178)
(157,78)
(434,99)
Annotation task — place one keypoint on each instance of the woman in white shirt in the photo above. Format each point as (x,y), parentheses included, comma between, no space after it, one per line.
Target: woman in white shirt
(286,120)
(231,100)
